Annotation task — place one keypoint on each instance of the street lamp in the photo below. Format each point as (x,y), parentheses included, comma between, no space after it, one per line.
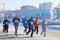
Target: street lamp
(2,12)
(3,9)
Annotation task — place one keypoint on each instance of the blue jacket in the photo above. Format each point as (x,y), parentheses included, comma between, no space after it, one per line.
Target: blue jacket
(43,27)
(24,21)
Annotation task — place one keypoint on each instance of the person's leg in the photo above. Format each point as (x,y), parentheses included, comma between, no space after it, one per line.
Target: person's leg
(42,32)
(16,28)
(4,28)
(7,29)
(26,28)
(37,30)
(31,32)
(28,31)
(45,32)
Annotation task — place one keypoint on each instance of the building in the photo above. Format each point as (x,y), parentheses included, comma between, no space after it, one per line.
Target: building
(57,11)
(45,9)
(27,11)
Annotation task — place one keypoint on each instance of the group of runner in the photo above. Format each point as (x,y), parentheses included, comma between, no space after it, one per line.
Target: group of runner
(30,25)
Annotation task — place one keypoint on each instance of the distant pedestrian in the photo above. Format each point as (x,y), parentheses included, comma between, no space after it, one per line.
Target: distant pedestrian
(16,22)
(44,25)
(24,21)
(30,26)
(6,25)
(36,23)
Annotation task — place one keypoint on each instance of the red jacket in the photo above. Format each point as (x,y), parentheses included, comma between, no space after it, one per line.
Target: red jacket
(36,22)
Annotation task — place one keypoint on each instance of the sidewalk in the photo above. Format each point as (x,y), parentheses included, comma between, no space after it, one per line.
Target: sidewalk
(51,34)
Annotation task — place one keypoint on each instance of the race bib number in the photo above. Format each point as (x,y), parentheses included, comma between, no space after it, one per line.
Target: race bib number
(16,21)
(31,22)
(7,23)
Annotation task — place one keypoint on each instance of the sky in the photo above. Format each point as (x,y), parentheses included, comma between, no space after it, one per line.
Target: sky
(16,4)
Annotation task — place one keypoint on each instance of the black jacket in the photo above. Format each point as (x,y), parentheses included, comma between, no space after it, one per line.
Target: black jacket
(6,22)
(14,19)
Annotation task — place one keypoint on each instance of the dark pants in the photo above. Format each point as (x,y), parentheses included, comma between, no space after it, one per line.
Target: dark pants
(16,29)
(5,28)
(36,29)
(30,30)
(25,28)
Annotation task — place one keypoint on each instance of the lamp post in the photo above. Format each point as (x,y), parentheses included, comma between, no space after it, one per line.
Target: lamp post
(2,12)
(3,9)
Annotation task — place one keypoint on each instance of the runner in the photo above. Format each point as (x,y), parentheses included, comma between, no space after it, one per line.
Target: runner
(36,23)
(30,26)
(24,21)
(16,22)
(6,25)
(44,25)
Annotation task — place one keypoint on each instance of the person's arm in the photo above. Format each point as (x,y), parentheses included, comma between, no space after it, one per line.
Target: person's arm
(38,22)
(13,20)
(8,21)
(4,22)
(18,19)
